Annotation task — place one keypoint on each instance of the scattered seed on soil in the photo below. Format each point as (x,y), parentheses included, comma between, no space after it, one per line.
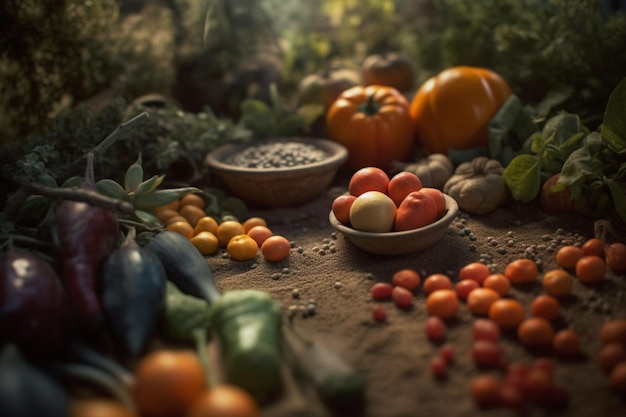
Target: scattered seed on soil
(338,285)
(295,293)
(285,271)
(275,276)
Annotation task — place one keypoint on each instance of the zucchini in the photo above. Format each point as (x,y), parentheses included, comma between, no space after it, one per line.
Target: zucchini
(247,324)
(184,265)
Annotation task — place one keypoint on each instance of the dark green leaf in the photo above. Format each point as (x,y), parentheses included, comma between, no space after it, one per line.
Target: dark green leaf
(134,176)
(111,188)
(501,125)
(618,194)
(522,176)
(147,218)
(614,123)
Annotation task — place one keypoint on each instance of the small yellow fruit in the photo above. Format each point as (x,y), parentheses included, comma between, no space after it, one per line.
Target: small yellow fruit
(373,211)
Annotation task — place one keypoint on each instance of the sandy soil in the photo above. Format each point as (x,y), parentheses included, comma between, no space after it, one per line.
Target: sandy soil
(327,270)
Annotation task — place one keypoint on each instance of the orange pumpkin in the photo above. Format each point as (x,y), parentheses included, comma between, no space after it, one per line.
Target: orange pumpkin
(452,109)
(391,69)
(373,122)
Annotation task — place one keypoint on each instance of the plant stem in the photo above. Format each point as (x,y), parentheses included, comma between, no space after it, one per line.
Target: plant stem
(84,195)
(199,336)
(106,143)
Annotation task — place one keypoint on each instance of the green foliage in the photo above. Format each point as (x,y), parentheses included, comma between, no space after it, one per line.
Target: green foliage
(276,120)
(592,164)
(143,195)
(59,53)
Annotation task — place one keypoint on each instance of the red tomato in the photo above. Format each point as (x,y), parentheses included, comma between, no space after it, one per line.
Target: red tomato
(416,210)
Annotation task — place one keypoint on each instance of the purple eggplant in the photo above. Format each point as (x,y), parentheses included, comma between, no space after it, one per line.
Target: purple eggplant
(83,237)
(133,294)
(33,303)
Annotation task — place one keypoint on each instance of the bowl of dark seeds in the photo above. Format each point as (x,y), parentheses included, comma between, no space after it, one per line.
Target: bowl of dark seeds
(280,172)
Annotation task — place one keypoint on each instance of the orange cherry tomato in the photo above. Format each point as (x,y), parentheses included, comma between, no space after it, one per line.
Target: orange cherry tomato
(469,96)
(373,122)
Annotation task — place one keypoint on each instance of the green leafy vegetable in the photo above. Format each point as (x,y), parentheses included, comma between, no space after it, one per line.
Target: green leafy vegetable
(592,164)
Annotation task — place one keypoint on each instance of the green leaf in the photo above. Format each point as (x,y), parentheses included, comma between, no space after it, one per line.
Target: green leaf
(147,218)
(47,180)
(111,188)
(522,176)
(614,122)
(310,113)
(134,176)
(561,127)
(509,129)
(150,185)
(577,167)
(618,194)
(276,99)
(73,182)
(161,197)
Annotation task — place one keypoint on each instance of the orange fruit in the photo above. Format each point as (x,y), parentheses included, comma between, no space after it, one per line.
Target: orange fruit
(521,271)
(259,234)
(442,303)
(167,382)
(174,219)
(193,199)
(174,205)
(275,248)
(163,214)
(206,224)
(228,229)
(181,227)
(206,243)
(507,313)
(557,282)
(535,332)
(253,221)
(368,179)
(225,401)
(192,214)
(242,247)
(590,269)
(403,184)
(498,282)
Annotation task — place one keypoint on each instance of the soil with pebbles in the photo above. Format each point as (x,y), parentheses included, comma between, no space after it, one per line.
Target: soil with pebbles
(325,285)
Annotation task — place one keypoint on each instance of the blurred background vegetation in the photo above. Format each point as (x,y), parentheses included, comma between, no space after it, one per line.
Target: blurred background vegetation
(57,54)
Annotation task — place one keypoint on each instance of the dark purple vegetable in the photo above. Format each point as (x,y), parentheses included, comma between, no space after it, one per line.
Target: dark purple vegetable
(33,303)
(83,237)
(132,291)
(25,391)
(185,266)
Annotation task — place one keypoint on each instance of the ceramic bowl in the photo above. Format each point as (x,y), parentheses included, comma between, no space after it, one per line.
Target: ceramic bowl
(282,186)
(399,243)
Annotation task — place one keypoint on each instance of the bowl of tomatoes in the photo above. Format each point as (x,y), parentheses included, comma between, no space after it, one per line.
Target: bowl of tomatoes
(399,242)
(279,172)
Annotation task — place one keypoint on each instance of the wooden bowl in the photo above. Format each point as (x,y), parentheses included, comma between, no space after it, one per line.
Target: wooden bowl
(277,186)
(399,243)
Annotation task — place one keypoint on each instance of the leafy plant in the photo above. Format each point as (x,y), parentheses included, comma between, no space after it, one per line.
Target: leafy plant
(275,120)
(143,195)
(590,163)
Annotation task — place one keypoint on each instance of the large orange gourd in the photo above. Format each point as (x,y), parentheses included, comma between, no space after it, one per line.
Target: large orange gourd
(452,109)
(373,122)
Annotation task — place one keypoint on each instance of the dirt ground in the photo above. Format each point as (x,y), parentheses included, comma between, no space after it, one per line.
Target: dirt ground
(328,271)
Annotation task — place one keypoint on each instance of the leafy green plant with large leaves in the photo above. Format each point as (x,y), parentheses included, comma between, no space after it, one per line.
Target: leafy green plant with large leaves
(592,164)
